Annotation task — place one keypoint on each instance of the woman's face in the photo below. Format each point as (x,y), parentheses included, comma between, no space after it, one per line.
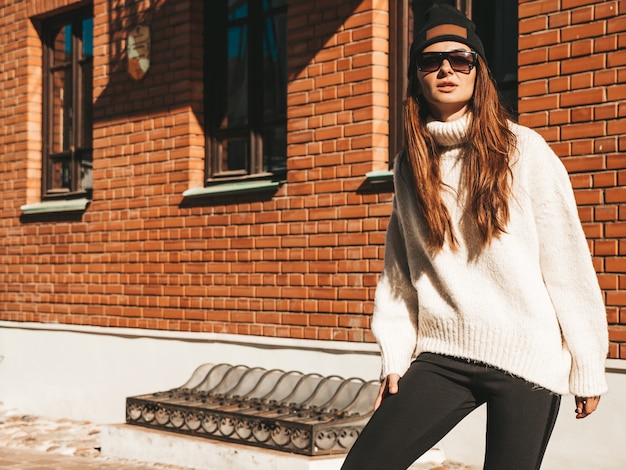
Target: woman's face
(447,91)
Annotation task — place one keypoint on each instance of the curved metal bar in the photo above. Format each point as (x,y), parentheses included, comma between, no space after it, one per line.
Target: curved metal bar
(263,377)
(243,378)
(344,384)
(298,385)
(319,387)
(214,370)
(226,376)
(280,381)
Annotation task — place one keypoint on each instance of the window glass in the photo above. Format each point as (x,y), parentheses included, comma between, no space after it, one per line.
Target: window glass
(237,9)
(274,68)
(270,4)
(234,152)
(61,82)
(86,171)
(274,145)
(237,113)
(88,37)
(61,175)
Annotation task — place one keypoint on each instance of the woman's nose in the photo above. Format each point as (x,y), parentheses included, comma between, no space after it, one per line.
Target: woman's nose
(445,68)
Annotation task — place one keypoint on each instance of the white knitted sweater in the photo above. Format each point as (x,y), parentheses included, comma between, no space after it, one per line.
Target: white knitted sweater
(528,304)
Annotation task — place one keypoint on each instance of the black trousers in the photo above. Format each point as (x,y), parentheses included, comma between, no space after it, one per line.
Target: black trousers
(435,394)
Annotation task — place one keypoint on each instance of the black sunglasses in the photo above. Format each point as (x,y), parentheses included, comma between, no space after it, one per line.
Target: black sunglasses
(460,61)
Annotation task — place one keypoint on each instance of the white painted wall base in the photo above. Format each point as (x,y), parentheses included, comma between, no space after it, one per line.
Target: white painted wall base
(148,445)
(86,373)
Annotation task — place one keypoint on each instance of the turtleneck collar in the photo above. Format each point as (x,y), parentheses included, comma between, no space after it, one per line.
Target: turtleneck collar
(449,134)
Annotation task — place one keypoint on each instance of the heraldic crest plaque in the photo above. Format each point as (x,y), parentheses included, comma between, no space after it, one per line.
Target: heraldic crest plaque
(138,51)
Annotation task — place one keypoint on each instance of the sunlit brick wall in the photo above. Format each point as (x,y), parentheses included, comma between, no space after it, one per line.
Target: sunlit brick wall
(301,263)
(573,91)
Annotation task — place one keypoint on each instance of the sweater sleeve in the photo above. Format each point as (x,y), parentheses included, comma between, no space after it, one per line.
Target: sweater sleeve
(394,322)
(568,272)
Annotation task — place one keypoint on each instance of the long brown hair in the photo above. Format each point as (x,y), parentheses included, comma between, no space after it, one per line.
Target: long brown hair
(487,153)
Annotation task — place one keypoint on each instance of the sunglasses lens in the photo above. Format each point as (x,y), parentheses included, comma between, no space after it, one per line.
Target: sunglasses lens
(460,61)
(429,62)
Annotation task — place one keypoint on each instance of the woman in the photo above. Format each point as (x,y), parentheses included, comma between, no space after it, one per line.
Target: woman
(487,275)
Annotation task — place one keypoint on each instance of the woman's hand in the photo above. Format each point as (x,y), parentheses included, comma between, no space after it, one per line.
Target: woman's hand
(585,406)
(389,386)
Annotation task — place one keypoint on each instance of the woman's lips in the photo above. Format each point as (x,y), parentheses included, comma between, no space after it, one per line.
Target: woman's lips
(446,86)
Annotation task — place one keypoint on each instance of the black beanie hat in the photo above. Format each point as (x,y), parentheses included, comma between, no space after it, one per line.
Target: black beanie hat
(445,23)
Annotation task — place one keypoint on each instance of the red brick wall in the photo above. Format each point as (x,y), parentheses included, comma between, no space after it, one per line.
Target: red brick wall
(573,90)
(300,264)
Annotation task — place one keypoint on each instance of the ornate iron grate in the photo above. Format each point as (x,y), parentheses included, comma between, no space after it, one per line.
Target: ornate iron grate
(289,411)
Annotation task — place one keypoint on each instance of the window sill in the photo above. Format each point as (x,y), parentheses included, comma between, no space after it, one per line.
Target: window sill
(379,176)
(48,207)
(239,187)
(377,181)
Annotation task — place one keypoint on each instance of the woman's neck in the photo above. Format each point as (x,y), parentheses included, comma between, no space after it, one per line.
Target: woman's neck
(447,114)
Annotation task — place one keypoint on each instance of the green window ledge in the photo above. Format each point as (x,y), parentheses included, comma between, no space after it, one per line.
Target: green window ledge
(239,187)
(379,176)
(47,207)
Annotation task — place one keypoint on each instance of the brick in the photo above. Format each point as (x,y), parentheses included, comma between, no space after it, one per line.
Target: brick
(616,59)
(539,87)
(544,38)
(585,97)
(567,4)
(583,64)
(582,48)
(616,25)
(606,9)
(582,81)
(559,19)
(558,84)
(532,56)
(533,24)
(588,30)
(605,44)
(559,51)
(534,120)
(534,72)
(605,77)
(583,15)
(584,164)
(537,8)
(527,105)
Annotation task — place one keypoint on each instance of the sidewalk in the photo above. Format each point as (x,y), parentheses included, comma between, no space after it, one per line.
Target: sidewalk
(36,443)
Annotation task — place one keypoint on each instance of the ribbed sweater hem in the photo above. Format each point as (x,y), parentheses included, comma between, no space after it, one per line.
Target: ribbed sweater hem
(508,351)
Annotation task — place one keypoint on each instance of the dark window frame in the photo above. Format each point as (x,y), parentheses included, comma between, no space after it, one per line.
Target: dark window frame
(77,108)
(400,34)
(216,86)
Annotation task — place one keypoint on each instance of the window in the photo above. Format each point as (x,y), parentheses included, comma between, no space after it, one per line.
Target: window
(246,89)
(67,106)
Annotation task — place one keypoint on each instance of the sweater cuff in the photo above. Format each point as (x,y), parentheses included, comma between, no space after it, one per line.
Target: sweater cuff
(588,378)
(395,360)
